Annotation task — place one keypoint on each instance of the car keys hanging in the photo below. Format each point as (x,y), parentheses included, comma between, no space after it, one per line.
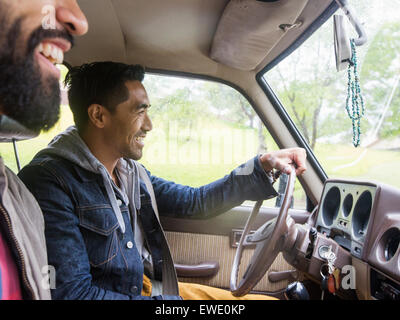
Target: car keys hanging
(327,270)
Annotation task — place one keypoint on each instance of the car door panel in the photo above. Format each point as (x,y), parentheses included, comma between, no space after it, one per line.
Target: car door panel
(203,242)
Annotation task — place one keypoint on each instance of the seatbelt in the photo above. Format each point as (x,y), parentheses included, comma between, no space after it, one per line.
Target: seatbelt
(169,277)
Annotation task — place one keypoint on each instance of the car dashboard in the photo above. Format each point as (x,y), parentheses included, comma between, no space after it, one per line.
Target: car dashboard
(364,219)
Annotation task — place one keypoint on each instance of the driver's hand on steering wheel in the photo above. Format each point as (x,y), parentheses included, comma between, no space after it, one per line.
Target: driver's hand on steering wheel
(283,159)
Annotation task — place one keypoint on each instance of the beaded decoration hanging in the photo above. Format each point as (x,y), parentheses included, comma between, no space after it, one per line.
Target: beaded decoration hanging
(357,109)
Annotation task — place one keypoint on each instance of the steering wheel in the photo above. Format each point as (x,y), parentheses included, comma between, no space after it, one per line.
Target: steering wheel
(269,240)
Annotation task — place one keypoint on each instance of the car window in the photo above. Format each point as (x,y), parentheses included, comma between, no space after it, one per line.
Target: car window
(202,130)
(314,94)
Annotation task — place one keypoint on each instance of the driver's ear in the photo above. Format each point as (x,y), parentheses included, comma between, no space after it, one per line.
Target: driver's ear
(97,115)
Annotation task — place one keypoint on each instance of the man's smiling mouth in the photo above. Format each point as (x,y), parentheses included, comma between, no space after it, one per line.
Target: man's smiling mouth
(50,52)
(140,140)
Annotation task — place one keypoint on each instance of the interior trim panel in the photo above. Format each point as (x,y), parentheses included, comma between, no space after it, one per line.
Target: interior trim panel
(224,224)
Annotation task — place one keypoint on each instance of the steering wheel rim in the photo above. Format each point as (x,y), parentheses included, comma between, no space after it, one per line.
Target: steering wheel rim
(267,240)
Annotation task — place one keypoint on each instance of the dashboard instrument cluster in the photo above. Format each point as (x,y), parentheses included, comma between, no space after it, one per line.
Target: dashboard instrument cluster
(345,214)
(364,219)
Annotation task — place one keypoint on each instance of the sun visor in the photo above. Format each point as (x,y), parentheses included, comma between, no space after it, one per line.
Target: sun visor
(104,41)
(249,29)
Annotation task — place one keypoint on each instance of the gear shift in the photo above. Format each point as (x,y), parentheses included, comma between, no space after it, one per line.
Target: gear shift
(296,291)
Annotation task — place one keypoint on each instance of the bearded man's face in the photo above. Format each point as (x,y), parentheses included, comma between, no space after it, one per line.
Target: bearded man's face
(29,50)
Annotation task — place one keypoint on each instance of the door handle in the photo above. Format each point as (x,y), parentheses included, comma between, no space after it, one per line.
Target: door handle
(203,269)
(276,276)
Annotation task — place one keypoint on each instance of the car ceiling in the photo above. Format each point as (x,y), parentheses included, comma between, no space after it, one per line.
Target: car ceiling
(218,38)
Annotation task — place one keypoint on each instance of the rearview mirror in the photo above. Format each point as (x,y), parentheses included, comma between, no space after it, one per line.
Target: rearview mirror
(341,38)
(342,43)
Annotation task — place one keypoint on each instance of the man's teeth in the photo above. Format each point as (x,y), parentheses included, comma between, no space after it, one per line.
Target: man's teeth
(53,53)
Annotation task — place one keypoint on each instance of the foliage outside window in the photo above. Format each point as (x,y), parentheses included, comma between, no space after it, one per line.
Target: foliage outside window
(201,131)
(199,126)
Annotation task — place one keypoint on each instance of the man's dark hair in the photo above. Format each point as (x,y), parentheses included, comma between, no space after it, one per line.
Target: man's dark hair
(100,83)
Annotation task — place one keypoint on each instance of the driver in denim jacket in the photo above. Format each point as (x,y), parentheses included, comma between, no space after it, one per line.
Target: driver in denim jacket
(102,229)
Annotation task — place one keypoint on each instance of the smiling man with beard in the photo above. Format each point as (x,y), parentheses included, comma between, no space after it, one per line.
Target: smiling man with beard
(29,103)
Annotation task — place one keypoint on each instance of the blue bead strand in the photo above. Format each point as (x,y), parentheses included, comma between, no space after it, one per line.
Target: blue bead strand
(354,94)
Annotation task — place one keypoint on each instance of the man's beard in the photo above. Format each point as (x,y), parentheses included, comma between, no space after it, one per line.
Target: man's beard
(26,96)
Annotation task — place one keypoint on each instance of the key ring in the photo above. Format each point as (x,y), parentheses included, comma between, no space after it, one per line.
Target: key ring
(328,270)
(330,256)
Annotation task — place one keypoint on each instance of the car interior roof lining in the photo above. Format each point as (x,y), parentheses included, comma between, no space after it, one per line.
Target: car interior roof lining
(184,35)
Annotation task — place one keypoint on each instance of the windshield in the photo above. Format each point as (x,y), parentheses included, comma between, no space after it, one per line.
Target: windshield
(314,94)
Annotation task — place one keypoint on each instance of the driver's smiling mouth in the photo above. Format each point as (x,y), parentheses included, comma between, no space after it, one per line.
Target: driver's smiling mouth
(139,139)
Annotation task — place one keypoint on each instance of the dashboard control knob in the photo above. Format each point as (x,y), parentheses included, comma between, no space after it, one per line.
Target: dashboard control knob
(312,234)
(296,291)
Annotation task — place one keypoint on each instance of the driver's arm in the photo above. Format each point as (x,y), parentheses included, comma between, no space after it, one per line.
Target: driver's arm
(247,182)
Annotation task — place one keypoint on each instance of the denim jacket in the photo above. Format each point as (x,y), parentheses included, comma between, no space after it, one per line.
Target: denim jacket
(93,259)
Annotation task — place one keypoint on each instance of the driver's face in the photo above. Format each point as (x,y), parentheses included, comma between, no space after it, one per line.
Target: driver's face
(34,35)
(128,125)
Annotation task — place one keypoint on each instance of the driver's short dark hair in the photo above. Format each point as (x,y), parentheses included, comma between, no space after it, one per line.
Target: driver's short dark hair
(100,83)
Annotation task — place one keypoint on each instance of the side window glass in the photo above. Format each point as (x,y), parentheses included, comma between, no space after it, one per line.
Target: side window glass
(202,130)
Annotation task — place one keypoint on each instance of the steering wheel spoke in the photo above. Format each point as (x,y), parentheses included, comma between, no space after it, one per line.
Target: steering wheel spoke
(268,241)
(263,233)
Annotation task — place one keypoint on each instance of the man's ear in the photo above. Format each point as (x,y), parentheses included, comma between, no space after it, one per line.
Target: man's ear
(97,115)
